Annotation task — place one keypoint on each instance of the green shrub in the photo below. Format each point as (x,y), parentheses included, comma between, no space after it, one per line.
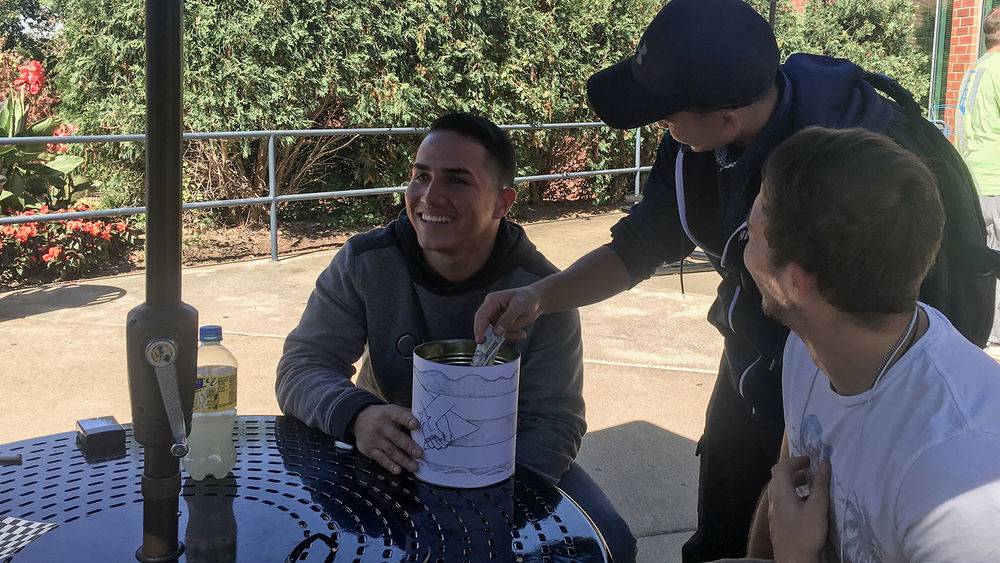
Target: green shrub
(346,212)
(273,64)
(877,35)
(24,27)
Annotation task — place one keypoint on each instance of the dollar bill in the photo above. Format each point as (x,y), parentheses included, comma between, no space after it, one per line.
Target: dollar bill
(486,351)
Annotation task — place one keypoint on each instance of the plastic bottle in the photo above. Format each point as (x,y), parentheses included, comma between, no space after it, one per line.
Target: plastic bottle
(210,444)
(210,536)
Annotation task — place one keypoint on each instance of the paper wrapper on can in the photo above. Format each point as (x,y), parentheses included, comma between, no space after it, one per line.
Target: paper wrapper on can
(467,415)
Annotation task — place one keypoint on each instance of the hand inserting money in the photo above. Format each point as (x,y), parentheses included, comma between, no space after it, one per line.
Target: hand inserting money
(486,352)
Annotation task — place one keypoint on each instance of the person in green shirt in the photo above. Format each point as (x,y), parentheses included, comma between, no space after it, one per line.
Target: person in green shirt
(978,138)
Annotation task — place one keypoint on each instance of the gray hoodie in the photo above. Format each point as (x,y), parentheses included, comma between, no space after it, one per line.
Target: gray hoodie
(379,298)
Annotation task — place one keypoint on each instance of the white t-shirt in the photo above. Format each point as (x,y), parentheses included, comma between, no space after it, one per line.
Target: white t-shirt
(916,460)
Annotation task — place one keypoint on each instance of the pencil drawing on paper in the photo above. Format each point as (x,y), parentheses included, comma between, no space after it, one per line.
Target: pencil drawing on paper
(468,420)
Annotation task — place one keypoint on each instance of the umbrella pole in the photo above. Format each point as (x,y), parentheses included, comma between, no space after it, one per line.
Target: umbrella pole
(161,334)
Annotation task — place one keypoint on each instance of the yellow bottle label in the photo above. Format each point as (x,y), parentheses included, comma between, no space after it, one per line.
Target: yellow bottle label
(215,391)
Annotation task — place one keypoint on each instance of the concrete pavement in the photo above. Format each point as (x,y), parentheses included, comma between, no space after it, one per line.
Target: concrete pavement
(650,359)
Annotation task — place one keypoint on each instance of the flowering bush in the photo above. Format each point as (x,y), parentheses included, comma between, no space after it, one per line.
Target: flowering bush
(61,249)
(44,102)
(32,176)
(63,130)
(31,76)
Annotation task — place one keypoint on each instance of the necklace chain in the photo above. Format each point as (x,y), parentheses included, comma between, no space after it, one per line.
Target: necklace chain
(903,339)
(884,367)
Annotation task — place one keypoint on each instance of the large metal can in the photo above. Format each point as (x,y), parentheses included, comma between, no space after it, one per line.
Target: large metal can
(467,415)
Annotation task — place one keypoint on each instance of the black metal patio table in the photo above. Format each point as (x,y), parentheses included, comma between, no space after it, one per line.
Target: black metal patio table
(292,494)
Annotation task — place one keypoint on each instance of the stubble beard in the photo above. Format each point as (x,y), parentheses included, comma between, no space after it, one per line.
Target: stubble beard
(784,314)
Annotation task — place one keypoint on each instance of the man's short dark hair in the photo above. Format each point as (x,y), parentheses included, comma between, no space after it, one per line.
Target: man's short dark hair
(497,144)
(857,211)
(991,28)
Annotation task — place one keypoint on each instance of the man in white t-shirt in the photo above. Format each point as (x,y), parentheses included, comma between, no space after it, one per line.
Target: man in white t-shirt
(891,415)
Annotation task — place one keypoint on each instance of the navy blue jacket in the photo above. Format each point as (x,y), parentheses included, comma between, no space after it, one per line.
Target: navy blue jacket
(713,202)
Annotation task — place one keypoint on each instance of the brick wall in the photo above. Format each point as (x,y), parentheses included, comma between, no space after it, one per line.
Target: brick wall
(966,17)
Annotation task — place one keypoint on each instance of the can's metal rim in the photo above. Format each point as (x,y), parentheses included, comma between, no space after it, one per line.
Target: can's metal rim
(460,351)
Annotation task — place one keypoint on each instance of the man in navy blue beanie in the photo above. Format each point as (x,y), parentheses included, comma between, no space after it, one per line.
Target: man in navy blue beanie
(708,71)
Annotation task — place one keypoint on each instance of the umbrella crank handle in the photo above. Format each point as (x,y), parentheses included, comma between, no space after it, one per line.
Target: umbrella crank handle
(10,460)
(161,354)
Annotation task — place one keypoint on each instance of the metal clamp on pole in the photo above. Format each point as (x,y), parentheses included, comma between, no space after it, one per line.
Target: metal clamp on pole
(162,361)
(161,354)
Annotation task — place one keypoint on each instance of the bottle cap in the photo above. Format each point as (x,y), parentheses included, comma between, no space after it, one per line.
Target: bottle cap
(210,333)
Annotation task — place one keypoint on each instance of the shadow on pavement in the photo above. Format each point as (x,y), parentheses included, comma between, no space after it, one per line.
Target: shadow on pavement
(651,475)
(39,300)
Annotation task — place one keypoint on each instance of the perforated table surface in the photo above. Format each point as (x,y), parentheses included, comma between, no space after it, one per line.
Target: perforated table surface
(291,493)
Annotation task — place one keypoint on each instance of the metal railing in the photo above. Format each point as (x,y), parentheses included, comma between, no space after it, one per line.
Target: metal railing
(273,199)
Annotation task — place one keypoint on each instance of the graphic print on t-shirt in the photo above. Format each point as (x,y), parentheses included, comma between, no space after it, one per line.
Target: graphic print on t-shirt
(860,544)
(847,511)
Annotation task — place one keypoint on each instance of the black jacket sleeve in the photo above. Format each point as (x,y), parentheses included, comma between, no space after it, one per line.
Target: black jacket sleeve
(652,234)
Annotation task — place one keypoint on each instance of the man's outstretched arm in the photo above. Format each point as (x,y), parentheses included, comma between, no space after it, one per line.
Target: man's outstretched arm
(595,277)
(642,240)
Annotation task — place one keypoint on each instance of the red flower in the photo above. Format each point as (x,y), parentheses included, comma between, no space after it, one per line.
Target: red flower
(32,76)
(63,130)
(81,206)
(52,254)
(92,228)
(73,225)
(121,226)
(8,230)
(25,232)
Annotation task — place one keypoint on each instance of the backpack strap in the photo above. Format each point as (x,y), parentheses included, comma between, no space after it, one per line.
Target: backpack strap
(981,254)
(893,89)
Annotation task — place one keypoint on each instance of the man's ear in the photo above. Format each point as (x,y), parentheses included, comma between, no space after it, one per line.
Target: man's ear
(802,285)
(731,119)
(505,199)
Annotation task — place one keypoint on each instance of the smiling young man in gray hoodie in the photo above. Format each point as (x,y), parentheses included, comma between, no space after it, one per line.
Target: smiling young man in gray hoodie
(421,278)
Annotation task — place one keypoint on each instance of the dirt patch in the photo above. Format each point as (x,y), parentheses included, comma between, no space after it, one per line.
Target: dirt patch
(232,244)
(240,243)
